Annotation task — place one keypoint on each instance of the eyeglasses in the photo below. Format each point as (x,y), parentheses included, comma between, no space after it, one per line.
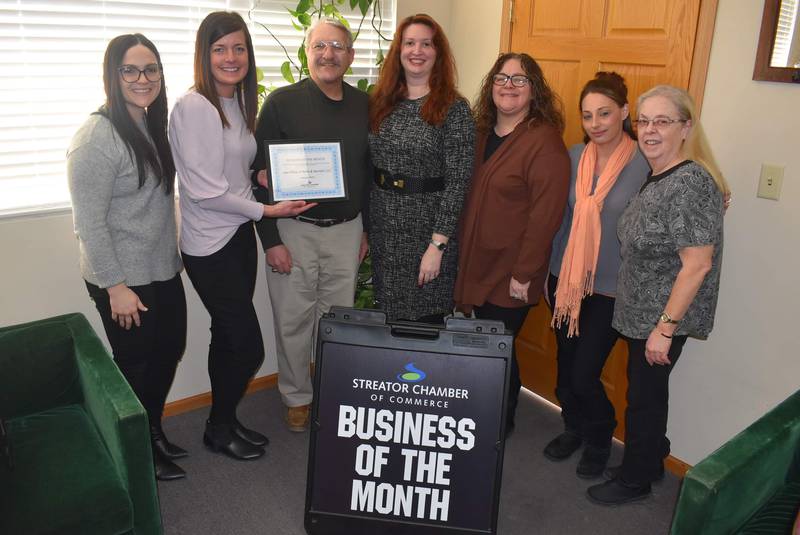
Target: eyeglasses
(517,80)
(337,46)
(131,73)
(659,123)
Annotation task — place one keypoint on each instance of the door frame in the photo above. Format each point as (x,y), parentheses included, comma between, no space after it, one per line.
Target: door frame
(706,19)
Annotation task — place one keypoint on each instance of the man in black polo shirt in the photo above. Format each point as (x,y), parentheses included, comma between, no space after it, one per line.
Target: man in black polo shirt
(313,260)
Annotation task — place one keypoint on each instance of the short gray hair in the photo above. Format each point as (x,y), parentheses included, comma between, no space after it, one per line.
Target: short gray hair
(336,23)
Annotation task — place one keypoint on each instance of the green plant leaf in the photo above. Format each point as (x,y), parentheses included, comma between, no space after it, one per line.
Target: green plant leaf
(305,19)
(329,10)
(297,26)
(362,84)
(370,88)
(261,89)
(349,71)
(286,72)
(343,20)
(353,4)
(301,55)
(379,57)
(303,6)
(363,5)
(259,74)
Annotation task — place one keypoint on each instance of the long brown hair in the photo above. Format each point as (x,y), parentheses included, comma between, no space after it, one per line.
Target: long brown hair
(392,87)
(213,28)
(545,107)
(157,154)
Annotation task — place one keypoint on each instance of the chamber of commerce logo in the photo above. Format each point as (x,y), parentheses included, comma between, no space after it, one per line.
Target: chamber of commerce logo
(412,374)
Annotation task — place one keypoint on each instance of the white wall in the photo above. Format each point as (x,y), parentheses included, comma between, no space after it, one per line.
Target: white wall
(40,278)
(751,362)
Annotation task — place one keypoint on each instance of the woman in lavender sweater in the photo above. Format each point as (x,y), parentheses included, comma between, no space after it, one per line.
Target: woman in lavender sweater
(211,131)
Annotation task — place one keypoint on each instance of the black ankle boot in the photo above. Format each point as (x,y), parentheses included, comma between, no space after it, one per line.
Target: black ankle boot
(248,435)
(164,446)
(564,445)
(166,470)
(221,438)
(593,462)
(617,492)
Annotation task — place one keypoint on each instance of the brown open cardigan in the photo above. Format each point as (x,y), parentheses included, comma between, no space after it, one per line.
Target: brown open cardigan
(513,210)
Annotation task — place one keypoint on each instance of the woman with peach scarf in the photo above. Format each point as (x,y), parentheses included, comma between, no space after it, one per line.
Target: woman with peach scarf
(606,173)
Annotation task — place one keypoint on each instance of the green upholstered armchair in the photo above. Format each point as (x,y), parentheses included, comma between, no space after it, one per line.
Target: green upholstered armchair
(80,459)
(749,485)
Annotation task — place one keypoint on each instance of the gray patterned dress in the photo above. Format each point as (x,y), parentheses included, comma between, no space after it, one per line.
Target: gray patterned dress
(679,208)
(401,224)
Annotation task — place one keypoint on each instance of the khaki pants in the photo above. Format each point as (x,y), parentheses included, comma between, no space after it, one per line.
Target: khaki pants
(324,269)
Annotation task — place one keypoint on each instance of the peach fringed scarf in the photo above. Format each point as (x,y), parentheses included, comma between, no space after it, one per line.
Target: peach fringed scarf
(576,279)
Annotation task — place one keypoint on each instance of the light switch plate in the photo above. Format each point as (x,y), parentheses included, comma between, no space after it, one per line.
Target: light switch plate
(769,185)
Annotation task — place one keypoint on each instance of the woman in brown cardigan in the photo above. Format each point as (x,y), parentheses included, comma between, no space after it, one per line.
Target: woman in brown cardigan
(517,197)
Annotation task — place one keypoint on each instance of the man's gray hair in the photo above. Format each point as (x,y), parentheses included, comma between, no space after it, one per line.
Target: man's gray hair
(333,22)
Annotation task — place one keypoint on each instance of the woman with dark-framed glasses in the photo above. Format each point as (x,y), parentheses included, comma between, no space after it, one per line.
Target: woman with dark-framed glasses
(516,199)
(121,178)
(671,244)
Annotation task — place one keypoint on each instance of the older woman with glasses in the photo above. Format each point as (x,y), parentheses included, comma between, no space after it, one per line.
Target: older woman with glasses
(517,197)
(671,245)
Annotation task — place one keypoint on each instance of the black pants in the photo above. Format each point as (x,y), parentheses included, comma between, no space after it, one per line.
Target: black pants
(148,355)
(513,318)
(646,443)
(225,282)
(585,407)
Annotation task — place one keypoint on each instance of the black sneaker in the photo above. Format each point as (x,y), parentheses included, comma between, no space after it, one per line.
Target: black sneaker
(612,472)
(618,492)
(593,462)
(564,445)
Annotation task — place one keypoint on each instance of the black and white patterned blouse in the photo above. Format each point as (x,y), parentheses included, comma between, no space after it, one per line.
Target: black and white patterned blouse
(402,223)
(681,207)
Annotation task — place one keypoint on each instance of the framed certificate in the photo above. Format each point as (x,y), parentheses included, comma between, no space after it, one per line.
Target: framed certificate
(305,170)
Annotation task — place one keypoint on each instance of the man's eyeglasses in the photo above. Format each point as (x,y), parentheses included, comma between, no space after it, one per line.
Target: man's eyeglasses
(131,73)
(518,80)
(337,46)
(659,123)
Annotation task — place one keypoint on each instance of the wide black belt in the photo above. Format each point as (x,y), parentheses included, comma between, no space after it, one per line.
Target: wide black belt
(324,222)
(408,184)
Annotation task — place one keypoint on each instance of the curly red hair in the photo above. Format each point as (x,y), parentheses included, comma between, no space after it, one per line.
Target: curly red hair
(391,87)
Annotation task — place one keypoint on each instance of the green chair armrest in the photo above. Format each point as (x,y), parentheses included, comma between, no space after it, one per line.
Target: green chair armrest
(121,421)
(726,488)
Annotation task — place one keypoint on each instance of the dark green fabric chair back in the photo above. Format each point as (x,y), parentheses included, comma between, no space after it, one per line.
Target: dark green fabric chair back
(37,369)
(724,490)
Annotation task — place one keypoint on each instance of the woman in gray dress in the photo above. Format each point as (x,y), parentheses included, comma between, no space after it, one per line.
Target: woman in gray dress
(422,143)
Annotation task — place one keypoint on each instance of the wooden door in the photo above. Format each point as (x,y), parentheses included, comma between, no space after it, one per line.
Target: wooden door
(648,42)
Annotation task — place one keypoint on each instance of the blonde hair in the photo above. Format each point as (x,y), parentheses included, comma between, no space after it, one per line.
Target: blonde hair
(695,146)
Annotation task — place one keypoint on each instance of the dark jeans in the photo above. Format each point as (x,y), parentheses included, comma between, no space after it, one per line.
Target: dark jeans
(225,282)
(646,443)
(148,355)
(513,318)
(585,407)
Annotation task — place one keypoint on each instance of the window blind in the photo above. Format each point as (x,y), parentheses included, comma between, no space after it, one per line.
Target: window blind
(51,54)
(784,34)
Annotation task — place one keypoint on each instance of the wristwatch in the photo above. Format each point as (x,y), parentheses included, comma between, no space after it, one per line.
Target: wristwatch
(439,245)
(666,318)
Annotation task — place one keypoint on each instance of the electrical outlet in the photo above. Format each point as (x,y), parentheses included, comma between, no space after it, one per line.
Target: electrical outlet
(769,185)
